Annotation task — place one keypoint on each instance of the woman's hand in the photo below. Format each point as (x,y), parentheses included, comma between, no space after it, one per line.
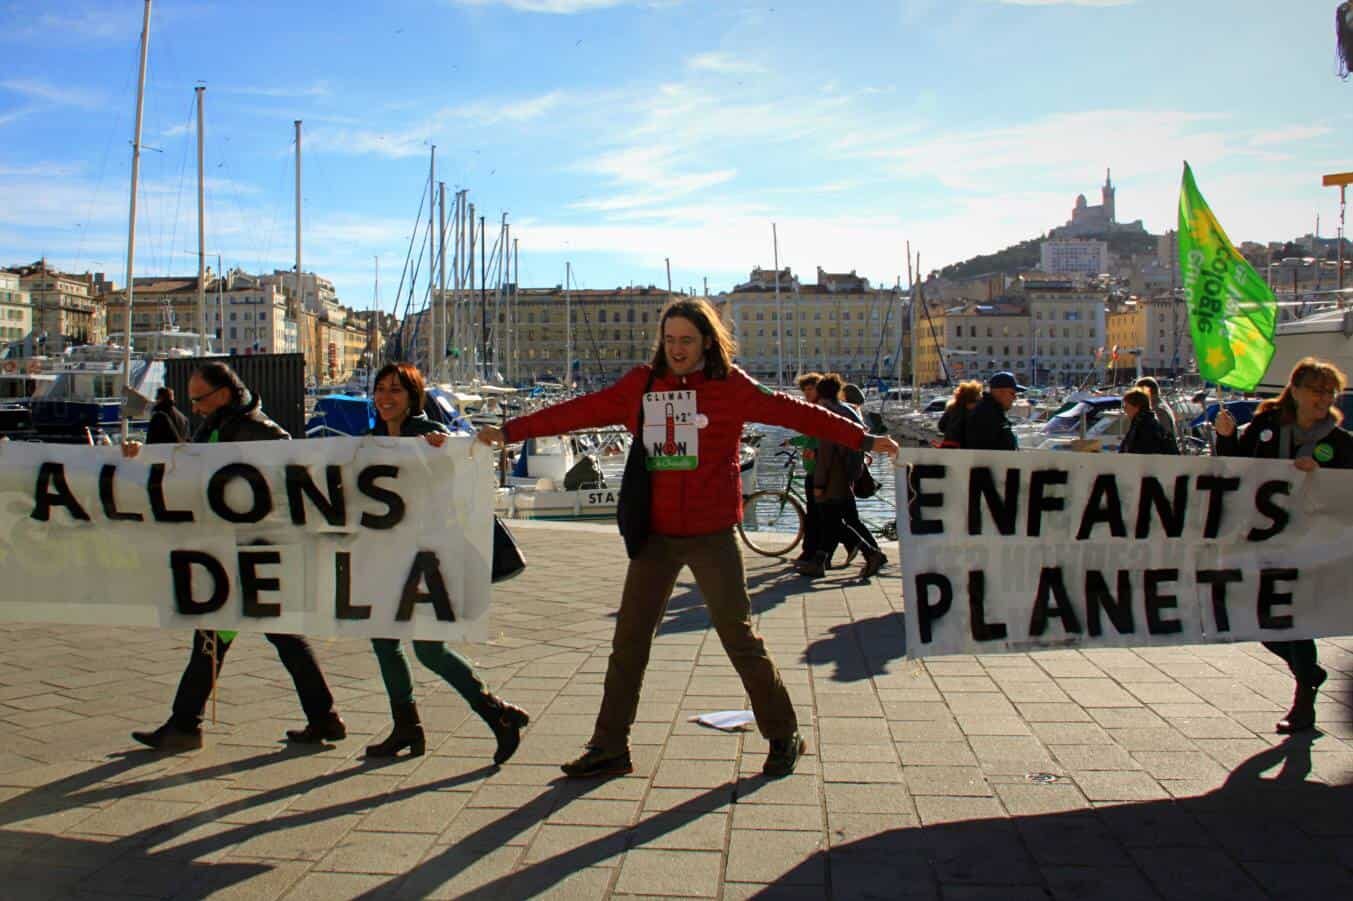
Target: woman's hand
(1225,423)
(1306,464)
(883,444)
(490,435)
(130,449)
(436,439)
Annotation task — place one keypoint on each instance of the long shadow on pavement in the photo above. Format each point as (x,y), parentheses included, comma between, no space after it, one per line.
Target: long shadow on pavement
(1254,837)
(540,876)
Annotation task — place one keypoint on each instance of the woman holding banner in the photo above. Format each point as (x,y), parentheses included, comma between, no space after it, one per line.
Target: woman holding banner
(692,403)
(1300,424)
(399,397)
(231,412)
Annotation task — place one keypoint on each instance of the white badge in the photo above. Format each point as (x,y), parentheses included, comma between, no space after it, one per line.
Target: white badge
(671,433)
(1266,435)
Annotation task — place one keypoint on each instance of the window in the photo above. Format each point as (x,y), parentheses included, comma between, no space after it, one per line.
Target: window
(601,316)
(819,333)
(232,317)
(233,332)
(845,317)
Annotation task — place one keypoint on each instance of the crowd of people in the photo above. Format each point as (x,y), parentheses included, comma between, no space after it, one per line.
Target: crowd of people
(694,510)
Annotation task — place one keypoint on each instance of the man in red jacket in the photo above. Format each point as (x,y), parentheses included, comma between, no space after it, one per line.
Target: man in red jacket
(695,403)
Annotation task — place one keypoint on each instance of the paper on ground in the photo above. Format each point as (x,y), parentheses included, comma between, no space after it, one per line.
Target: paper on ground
(726,720)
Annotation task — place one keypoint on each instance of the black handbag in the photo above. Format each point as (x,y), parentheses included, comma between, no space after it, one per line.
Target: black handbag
(508,560)
(636,490)
(865,485)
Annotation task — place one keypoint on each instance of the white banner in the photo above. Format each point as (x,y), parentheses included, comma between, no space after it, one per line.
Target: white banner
(341,537)
(1027,550)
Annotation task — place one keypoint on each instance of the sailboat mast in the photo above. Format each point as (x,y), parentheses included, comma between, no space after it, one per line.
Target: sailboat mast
(430,321)
(568,325)
(915,342)
(512,316)
(131,219)
(439,351)
(779,313)
(202,344)
(472,364)
(299,299)
(483,297)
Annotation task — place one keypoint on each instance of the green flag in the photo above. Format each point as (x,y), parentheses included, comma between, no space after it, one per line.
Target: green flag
(1231,311)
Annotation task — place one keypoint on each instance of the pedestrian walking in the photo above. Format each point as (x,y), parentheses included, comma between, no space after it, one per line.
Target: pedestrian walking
(1164,415)
(399,397)
(1145,434)
(231,412)
(167,425)
(834,490)
(955,414)
(693,402)
(985,427)
(807,445)
(1301,424)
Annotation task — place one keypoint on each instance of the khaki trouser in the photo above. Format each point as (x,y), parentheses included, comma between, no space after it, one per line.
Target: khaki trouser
(716,562)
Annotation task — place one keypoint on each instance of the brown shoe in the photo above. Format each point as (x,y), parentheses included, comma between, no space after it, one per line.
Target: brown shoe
(873,562)
(784,756)
(330,728)
(596,762)
(170,738)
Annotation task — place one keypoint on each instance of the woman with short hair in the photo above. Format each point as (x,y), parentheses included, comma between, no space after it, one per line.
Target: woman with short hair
(1300,424)
(399,400)
(693,402)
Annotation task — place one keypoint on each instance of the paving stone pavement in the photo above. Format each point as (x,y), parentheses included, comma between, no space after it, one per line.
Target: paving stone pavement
(1133,773)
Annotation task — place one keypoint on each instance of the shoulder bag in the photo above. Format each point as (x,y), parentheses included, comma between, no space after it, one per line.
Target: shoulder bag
(636,489)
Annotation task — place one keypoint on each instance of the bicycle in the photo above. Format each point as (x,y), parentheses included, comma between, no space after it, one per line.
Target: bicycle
(774,518)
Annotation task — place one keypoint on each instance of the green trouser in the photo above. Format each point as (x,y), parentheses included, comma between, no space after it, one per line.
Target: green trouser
(716,562)
(443,661)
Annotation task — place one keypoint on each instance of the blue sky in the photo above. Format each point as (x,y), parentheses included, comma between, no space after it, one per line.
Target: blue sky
(617,133)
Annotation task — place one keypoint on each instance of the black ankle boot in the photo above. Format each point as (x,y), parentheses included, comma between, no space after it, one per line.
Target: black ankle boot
(331,728)
(407,733)
(1302,715)
(506,721)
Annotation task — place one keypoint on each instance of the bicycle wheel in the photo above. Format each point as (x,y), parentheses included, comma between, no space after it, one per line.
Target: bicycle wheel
(772,522)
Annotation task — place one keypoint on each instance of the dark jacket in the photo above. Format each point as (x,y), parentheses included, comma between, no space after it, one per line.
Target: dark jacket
(708,498)
(1261,439)
(167,424)
(837,465)
(951,424)
(240,422)
(986,428)
(412,427)
(1145,435)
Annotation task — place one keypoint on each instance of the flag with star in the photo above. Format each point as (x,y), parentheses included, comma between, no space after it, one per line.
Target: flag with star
(1232,313)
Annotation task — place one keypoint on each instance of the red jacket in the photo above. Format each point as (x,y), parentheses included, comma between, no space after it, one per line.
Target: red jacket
(708,498)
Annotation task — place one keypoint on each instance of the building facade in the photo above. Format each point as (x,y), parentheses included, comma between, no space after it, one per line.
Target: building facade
(840,324)
(16,317)
(66,311)
(1070,256)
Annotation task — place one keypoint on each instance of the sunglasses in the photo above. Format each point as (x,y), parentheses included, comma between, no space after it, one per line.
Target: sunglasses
(202,397)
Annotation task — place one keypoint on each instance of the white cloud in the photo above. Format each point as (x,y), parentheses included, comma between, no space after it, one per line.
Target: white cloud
(41,90)
(315,89)
(723,63)
(1289,135)
(1066,2)
(554,7)
(414,139)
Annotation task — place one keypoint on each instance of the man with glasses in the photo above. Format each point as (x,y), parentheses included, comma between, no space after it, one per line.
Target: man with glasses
(230,412)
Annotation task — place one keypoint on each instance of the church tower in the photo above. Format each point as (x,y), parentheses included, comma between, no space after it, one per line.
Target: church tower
(1107,192)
